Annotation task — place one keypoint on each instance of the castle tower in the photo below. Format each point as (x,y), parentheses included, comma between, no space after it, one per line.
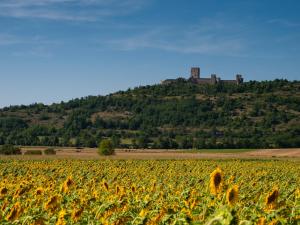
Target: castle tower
(213,78)
(239,79)
(195,72)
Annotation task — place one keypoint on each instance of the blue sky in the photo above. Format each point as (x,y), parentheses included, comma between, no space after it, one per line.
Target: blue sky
(53,50)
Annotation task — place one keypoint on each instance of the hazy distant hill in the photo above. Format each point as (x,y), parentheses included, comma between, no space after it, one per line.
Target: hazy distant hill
(178,115)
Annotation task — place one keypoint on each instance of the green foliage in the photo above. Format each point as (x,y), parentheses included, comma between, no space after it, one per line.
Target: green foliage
(9,123)
(115,141)
(44,117)
(180,115)
(106,147)
(50,151)
(10,150)
(33,152)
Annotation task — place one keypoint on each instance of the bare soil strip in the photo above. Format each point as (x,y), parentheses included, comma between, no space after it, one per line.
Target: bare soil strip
(90,153)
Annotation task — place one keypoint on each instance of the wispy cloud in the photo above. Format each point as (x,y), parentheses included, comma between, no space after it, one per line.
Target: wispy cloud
(207,37)
(12,39)
(284,22)
(24,46)
(8,39)
(36,51)
(71,10)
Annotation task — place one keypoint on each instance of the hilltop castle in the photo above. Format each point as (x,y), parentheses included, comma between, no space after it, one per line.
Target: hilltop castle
(195,78)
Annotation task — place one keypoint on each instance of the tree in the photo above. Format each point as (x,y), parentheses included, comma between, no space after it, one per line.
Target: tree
(180,115)
(143,141)
(50,151)
(106,147)
(10,150)
(116,141)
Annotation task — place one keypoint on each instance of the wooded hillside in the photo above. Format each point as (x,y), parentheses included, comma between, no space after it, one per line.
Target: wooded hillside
(179,115)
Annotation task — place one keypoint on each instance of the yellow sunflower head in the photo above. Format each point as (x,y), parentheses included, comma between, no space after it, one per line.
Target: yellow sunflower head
(39,191)
(67,184)
(52,203)
(261,221)
(76,213)
(232,195)
(15,212)
(271,199)
(3,191)
(216,181)
(61,217)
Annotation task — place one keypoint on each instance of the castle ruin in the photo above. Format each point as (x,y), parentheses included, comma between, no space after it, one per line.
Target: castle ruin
(214,79)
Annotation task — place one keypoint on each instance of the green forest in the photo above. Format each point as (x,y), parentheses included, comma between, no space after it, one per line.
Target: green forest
(181,115)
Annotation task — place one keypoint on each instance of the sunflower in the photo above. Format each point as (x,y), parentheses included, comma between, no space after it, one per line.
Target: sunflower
(261,221)
(133,188)
(67,184)
(76,213)
(158,217)
(39,221)
(232,195)
(39,191)
(273,222)
(20,191)
(4,205)
(52,203)
(61,218)
(105,185)
(231,179)
(271,199)
(143,213)
(15,212)
(95,194)
(216,181)
(3,192)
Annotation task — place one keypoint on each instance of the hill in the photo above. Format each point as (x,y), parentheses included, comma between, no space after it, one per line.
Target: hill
(178,115)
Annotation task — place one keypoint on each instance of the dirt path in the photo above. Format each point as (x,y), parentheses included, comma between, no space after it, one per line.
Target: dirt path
(275,153)
(88,153)
(269,153)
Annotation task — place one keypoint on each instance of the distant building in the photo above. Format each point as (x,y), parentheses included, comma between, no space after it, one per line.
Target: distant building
(214,79)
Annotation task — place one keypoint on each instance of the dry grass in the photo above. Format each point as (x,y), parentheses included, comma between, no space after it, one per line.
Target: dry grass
(91,153)
(111,115)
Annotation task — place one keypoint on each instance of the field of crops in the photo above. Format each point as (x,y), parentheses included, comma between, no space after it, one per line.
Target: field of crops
(149,192)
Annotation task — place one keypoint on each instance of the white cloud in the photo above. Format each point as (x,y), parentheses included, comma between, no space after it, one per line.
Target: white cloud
(207,37)
(72,10)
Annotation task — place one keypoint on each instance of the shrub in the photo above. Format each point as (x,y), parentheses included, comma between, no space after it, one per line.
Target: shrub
(106,147)
(10,150)
(50,151)
(44,117)
(33,152)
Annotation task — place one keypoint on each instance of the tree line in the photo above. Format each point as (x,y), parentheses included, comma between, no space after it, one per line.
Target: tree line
(180,115)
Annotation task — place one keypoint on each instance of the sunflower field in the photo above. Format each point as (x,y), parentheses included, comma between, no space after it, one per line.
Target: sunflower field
(149,192)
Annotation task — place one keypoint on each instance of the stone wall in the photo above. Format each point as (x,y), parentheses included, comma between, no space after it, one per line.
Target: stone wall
(214,79)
